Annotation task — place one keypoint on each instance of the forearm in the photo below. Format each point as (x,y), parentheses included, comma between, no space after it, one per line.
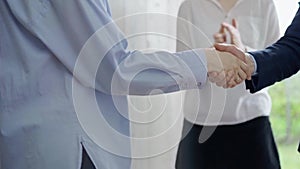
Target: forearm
(275,63)
(155,73)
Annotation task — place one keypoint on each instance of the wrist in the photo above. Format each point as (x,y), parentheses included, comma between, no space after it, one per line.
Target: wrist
(251,63)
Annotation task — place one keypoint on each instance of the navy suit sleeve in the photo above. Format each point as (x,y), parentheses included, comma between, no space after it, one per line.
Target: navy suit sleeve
(279,61)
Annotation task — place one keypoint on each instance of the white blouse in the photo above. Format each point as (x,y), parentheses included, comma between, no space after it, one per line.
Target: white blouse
(199,21)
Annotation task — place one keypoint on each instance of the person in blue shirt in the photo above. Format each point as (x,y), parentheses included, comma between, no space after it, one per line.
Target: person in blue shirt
(58,59)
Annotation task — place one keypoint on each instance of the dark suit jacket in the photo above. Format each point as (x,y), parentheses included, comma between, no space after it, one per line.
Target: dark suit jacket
(279,61)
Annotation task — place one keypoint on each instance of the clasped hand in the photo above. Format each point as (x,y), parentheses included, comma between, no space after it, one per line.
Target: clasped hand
(228,66)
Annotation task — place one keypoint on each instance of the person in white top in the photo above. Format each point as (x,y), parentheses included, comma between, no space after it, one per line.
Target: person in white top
(243,138)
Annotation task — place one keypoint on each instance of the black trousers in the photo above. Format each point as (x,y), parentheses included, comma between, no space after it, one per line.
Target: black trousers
(244,146)
(86,161)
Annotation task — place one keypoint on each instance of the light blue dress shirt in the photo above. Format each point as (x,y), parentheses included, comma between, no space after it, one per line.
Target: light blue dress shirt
(40,41)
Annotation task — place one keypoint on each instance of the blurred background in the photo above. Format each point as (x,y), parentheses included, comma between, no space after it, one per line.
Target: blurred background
(285,116)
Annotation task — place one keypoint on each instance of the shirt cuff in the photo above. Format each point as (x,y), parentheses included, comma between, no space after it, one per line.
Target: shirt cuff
(255,64)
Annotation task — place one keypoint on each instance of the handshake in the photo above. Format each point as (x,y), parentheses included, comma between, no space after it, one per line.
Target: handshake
(228,65)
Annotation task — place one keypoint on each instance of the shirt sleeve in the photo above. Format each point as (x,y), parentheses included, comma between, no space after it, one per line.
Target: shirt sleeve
(84,38)
(255,64)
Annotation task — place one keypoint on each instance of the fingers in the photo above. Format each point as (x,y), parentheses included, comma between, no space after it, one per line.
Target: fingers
(247,71)
(230,28)
(213,76)
(242,75)
(232,84)
(216,77)
(231,49)
(219,78)
(220,37)
(222,47)
(222,29)
(230,76)
(225,79)
(234,33)
(228,79)
(234,23)
(234,81)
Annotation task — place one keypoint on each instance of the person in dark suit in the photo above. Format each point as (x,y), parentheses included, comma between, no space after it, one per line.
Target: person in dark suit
(273,64)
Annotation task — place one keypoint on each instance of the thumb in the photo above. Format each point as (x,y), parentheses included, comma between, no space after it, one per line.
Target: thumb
(222,47)
(222,29)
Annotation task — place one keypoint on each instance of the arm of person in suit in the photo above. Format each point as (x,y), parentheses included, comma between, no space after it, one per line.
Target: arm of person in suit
(279,61)
(275,63)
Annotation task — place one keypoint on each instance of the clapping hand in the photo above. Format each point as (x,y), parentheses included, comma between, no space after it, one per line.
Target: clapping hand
(242,68)
(235,37)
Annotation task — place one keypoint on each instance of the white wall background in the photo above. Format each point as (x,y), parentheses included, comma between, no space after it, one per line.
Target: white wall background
(286,11)
(123,8)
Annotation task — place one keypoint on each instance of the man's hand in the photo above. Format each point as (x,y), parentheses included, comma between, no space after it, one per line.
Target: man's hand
(224,68)
(231,78)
